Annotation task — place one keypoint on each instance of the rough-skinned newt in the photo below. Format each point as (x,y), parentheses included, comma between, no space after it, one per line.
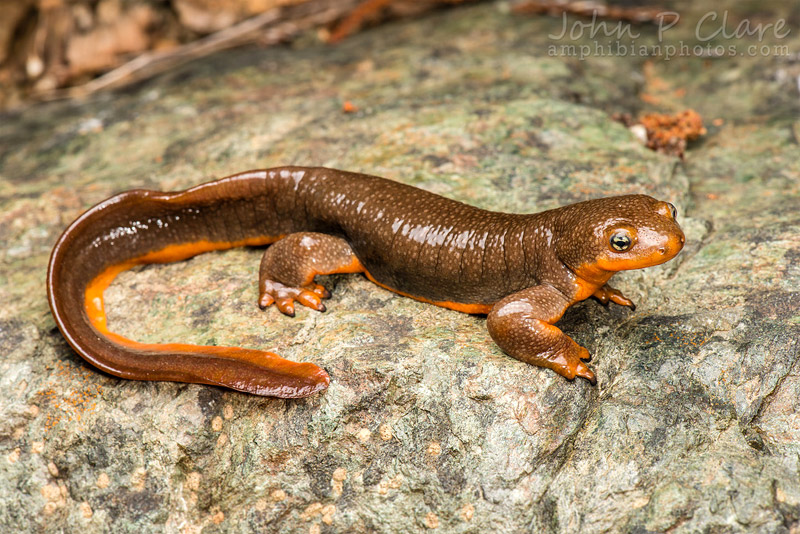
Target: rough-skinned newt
(523,271)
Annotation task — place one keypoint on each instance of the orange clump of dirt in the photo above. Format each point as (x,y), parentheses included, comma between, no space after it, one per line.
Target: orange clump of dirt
(670,133)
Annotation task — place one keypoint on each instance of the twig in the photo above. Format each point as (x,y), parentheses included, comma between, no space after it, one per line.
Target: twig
(148,64)
(354,20)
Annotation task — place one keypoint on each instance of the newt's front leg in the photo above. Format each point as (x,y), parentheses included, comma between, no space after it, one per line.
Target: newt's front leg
(608,293)
(522,325)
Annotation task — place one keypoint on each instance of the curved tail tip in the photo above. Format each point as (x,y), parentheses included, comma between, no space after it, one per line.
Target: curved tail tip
(310,380)
(321,380)
(315,383)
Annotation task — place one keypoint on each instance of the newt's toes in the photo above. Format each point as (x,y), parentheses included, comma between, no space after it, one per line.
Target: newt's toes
(286,306)
(284,296)
(622,300)
(584,355)
(321,291)
(265,301)
(311,300)
(583,371)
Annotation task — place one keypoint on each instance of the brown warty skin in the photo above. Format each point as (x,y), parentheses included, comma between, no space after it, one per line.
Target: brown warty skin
(523,271)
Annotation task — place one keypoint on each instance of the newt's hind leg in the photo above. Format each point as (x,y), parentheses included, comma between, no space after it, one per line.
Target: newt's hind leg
(289,266)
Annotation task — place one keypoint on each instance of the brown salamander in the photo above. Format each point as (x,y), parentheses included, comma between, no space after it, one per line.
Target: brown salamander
(523,271)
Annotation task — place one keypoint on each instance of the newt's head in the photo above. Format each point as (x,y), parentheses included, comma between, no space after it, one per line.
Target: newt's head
(617,234)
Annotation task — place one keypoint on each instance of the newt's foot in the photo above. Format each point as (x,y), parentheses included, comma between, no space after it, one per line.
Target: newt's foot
(285,296)
(608,293)
(570,362)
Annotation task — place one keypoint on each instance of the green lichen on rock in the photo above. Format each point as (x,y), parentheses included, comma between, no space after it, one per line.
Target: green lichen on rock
(694,424)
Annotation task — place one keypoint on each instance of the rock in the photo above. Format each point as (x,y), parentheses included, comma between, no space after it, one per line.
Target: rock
(427,425)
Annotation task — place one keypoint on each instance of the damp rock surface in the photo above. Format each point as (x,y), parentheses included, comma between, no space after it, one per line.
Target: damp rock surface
(427,425)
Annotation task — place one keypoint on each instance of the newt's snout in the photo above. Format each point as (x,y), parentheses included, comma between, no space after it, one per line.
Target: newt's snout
(673,245)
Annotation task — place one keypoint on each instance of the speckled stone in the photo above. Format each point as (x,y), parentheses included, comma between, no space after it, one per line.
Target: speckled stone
(694,425)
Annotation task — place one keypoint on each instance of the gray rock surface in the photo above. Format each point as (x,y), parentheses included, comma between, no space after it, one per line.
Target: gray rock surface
(693,427)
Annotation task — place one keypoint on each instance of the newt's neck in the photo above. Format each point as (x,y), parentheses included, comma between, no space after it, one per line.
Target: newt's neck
(590,278)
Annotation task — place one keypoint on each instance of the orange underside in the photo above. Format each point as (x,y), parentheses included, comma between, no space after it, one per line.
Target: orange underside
(355,266)
(95,307)
(585,290)
(590,279)
(457,306)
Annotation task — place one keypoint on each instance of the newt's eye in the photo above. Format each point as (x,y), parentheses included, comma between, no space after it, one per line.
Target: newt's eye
(621,241)
(673,211)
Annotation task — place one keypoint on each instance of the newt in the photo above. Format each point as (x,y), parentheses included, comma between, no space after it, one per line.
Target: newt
(521,270)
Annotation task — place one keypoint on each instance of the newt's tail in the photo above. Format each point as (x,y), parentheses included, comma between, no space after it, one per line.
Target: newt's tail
(141,226)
